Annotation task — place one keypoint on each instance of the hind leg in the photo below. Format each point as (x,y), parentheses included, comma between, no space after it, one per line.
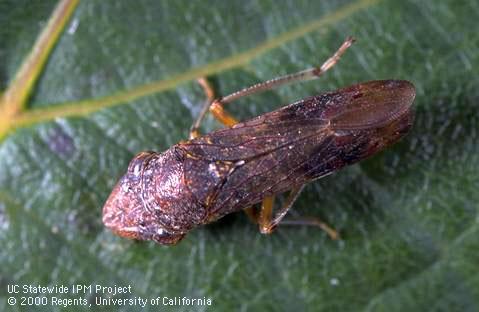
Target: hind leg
(267,223)
(216,105)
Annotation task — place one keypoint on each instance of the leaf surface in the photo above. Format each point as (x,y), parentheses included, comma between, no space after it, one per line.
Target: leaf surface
(121,80)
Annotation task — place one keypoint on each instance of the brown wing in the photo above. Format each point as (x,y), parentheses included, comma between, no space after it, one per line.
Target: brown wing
(230,165)
(257,136)
(300,142)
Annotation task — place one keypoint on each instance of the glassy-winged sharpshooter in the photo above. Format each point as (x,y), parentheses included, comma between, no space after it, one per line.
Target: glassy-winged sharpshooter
(163,196)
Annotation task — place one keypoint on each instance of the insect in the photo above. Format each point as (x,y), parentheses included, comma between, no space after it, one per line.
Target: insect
(163,196)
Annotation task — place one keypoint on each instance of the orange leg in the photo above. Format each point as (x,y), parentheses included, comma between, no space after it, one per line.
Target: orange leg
(332,233)
(267,223)
(215,105)
(210,97)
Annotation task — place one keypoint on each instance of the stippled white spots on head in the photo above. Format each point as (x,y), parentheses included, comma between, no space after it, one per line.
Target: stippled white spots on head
(137,170)
(213,169)
(124,186)
(239,163)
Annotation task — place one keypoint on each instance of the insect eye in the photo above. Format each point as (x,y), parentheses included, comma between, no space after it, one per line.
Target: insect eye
(136,165)
(163,237)
(134,168)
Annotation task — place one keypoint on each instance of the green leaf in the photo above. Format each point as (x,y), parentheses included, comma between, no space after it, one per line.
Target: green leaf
(121,80)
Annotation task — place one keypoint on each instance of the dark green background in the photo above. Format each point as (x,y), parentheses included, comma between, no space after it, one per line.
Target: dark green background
(408,216)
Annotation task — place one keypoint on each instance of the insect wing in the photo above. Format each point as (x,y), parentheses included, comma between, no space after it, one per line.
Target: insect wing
(304,141)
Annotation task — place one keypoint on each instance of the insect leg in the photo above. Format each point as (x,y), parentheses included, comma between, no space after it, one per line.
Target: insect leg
(210,96)
(314,222)
(219,114)
(265,220)
(267,224)
(216,105)
(265,215)
(308,74)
